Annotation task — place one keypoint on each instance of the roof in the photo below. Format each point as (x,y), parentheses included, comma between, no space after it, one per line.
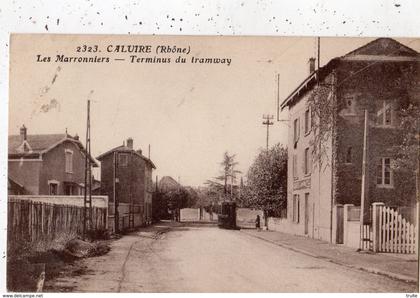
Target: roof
(36,145)
(12,181)
(380,49)
(125,149)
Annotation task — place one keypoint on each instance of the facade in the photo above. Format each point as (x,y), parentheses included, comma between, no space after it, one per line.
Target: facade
(126,177)
(46,164)
(382,78)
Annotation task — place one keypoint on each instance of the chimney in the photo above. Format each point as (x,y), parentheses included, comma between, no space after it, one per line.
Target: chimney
(23,133)
(311,63)
(76,137)
(130,143)
(139,151)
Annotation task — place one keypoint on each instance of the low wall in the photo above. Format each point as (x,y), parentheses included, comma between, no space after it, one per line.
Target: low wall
(352,234)
(283,225)
(190,214)
(245,217)
(123,217)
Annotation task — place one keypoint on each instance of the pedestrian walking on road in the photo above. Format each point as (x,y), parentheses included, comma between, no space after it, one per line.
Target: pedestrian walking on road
(258,222)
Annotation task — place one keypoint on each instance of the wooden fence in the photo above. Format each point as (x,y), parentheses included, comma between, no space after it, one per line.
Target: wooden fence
(393,232)
(30,221)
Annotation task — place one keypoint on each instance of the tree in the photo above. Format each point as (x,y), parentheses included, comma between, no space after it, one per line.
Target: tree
(407,157)
(266,186)
(224,184)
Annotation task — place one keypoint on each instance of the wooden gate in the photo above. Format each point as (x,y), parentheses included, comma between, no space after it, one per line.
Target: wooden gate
(393,232)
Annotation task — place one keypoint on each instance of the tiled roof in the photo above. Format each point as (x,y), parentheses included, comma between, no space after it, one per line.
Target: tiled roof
(38,143)
(385,48)
(124,148)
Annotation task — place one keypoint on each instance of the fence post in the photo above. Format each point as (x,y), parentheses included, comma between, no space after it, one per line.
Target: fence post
(345,222)
(336,221)
(376,225)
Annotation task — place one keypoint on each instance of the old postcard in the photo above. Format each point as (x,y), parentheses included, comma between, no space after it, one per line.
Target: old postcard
(140,163)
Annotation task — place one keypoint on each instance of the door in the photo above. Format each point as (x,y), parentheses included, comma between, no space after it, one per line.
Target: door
(306,213)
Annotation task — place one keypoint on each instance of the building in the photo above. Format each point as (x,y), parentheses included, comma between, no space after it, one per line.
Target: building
(325,142)
(46,164)
(126,178)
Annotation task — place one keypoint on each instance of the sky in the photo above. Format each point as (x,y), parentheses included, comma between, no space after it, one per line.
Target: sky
(189,114)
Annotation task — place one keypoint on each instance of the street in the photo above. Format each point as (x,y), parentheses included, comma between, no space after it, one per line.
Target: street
(171,257)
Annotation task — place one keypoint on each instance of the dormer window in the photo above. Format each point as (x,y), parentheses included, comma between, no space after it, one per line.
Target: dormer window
(68,161)
(385,115)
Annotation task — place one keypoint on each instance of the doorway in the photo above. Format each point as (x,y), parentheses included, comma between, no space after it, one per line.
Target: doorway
(306,213)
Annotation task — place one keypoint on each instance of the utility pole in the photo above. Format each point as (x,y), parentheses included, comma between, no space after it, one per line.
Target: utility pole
(278,97)
(318,53)
(87,196)
(365,179)
(268,121)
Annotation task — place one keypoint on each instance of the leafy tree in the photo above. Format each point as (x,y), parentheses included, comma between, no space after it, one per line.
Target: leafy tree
(407,157)
(266,186)
(224,184)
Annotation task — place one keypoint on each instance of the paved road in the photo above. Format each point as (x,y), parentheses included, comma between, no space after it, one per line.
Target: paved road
(200,258)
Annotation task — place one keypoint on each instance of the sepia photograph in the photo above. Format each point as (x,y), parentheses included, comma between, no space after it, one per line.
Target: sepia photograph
(212,164)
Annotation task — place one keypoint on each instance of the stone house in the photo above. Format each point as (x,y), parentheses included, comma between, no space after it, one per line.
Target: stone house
(46,164)
(126,178)
(381,77)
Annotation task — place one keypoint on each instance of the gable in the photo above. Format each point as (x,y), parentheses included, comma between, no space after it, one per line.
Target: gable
(384,47)
(36,143)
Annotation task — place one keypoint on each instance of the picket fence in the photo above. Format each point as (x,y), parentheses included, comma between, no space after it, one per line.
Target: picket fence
(31,221)
(395,233)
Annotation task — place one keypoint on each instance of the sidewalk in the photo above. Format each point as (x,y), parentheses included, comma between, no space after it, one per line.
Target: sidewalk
(401,267)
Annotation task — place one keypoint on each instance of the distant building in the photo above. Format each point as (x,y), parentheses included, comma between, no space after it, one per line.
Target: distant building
(46,164)
(381,77)
(126,176)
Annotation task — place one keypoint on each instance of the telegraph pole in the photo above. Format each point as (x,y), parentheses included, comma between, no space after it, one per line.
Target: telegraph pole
(87,197)
(278,97)
(365,180)
(268,122)
(319,53)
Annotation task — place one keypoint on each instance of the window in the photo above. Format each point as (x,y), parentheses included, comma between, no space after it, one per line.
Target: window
(294,168)
(68,160)
(69,189)
(296,208)
(307,162)
(123,159)
(296,130)
(350,106)
(307,121)
(349,154)
(384,175)
(384,117)
(52,188)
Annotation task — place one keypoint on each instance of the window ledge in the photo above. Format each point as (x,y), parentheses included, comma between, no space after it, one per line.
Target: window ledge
(385,126)
(384,186)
